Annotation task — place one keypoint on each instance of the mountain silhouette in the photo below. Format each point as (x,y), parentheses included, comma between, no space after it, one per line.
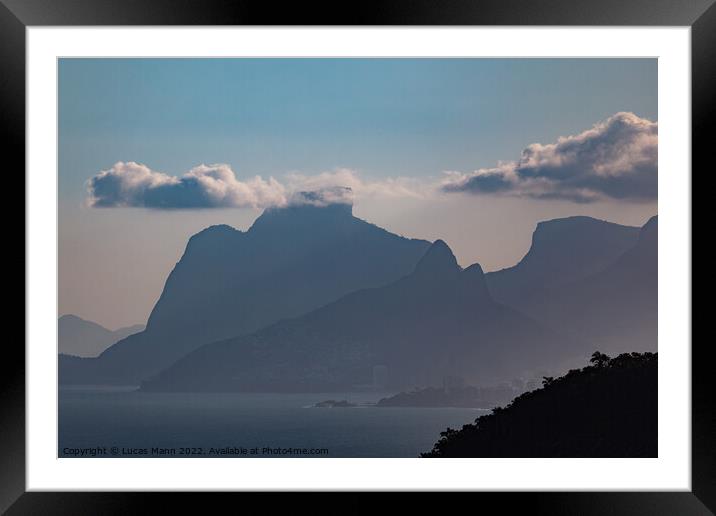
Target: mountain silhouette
(563,251)
(82,338)
(439,320)
(615,308)
(230,282)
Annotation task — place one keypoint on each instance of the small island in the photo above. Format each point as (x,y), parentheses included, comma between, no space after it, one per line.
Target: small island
(457,396)
(335,404)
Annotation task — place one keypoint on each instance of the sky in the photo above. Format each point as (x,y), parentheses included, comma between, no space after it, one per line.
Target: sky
(473,151)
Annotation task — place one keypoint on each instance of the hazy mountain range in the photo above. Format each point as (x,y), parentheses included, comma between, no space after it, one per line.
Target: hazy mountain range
(230,282)
(439,320)
(563,251)
(616,308)
(313,298)
(591,279)
(82,338)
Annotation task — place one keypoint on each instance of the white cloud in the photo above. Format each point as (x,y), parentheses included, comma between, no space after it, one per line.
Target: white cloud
(132,184)
(616,158)
(400,187)
(205,186)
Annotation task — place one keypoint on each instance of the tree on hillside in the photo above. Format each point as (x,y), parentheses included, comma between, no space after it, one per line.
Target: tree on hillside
(599,359)
(606,409)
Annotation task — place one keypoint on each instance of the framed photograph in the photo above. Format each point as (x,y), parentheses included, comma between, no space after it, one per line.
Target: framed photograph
(427,248)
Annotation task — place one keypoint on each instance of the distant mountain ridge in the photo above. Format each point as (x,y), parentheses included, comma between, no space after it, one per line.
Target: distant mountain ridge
(609,300)
(312,298)
(438,320)
(229,282)
(82,338)
(562,251)
(617,307)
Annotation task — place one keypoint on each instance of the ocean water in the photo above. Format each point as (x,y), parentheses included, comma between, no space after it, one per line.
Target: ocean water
(115,422)
(107,422)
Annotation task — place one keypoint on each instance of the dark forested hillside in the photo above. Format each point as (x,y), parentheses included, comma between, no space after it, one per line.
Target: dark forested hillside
(607,409)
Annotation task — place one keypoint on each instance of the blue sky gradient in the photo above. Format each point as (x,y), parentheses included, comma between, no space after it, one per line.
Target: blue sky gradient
(382,118)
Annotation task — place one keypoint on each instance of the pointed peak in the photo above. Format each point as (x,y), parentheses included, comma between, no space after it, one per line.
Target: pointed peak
(651,224)
(208,239)
(439,247)
(649,231)
(212,233)
(70,317)
(474,270)
(438,258)
(474,283)
(217,229)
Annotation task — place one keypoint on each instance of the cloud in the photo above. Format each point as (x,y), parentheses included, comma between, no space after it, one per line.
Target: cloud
(205,186)
(323,196)
(361,188)
(615,159)
(133,184)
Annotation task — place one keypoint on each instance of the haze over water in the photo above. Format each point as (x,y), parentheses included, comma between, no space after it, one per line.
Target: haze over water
(136,421)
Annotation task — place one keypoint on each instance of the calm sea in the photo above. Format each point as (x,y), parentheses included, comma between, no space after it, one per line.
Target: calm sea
(125,423)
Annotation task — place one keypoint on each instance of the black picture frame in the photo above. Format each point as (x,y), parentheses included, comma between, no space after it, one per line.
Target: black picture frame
(16,15)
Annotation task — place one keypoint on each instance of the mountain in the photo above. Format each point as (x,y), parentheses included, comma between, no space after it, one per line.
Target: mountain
(229,282)
(562,251)
(82,338)
(438,320)
(607,409)
(615,308)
